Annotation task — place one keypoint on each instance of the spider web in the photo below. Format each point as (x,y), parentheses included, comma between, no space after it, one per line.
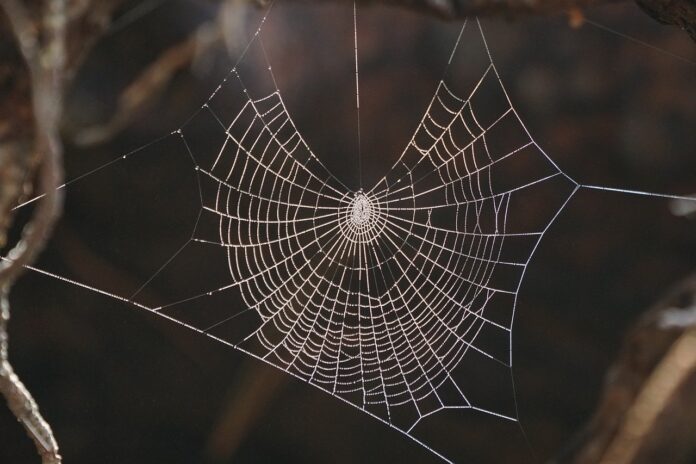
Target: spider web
(398,299)
(375,295)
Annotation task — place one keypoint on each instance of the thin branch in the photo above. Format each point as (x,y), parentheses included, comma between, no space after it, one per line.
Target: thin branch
(149,85)
(647,404)
(642,418)
(459,9)
(680,13)
(45,65)
(46,62)
(20,400)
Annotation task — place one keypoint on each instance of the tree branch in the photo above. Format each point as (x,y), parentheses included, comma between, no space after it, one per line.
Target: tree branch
(45,60)
(648,406)
(20,400)
(680,13)
(459,9)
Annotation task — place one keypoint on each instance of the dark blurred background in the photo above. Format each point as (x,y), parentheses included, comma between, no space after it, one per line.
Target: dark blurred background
(120,385)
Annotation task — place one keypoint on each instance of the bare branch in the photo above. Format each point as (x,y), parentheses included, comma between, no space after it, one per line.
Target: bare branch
(680,13)
(647,405)
(19,400)
(458,9)
(143,91)
(46,61)
(45,64)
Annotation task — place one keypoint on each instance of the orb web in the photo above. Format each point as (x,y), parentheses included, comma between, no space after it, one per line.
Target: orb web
(377,295)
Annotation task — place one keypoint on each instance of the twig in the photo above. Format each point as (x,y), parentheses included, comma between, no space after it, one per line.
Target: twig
(458,9)
(19,399)
(45,65)
(647,404)
(150,84)
(680,13)
(653,399)
(46,61)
